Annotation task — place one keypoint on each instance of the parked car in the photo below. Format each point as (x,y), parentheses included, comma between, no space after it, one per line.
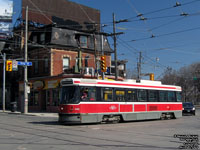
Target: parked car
(188,108)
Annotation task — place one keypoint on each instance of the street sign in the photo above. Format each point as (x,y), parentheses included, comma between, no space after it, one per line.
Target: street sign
(20,63)
(15,65)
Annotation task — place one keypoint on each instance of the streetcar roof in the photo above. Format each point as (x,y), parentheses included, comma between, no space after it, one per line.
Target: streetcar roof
(143,84)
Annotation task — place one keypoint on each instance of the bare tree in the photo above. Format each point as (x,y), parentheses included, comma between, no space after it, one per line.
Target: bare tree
(188,78)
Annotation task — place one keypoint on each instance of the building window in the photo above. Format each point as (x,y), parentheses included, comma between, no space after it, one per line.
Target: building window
(34,98)
(35,38)
(83,41)
(46,64)
(42,38)
(65,63)
(36,65)
(48,97)
(56,96)
(86,61)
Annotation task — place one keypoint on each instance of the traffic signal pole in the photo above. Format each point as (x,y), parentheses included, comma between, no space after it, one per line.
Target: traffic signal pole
(102,53)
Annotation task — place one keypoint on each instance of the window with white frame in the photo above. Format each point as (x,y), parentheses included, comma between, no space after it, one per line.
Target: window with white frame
(83,41)
(65,63)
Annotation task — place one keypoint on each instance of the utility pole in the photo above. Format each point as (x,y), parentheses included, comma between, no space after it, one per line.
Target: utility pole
(4,81)
(115,48)
(115,42)
(25,102)
(95,55)
(139,66)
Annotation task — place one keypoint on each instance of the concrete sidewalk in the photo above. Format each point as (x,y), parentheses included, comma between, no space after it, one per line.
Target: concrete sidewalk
(45,114)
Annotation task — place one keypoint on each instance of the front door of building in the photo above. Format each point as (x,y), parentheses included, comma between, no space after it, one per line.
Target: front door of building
(43,101)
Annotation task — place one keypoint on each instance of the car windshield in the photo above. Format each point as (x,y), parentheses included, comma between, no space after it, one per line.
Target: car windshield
(187,105)
(70,94)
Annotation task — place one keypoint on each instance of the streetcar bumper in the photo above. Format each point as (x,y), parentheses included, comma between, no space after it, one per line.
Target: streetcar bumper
(69,118)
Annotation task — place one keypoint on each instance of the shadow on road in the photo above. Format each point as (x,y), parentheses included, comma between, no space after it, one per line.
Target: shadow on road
(45,123)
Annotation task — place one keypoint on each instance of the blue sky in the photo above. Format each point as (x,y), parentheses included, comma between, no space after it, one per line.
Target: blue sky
(177,38)
(176,41)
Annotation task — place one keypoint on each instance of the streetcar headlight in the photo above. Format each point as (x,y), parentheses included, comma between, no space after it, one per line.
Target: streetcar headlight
(61,108)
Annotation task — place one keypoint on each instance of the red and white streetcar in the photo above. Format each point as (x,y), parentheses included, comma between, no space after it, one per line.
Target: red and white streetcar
(93,101)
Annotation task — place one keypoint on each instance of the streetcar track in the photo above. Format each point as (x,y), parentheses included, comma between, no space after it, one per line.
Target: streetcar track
(70,142)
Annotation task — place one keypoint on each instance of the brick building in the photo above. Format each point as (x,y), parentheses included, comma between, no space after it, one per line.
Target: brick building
(64,41)
(60,53)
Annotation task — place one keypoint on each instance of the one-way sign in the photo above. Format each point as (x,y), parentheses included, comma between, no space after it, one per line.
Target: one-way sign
(20,63)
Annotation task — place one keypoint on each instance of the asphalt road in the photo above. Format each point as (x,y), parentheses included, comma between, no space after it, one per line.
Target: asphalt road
(22,132)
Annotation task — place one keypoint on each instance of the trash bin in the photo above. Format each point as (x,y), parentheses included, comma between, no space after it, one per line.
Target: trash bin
(13,106)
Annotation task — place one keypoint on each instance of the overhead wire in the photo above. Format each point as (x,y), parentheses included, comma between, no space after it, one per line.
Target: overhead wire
(166,34)
(164,9)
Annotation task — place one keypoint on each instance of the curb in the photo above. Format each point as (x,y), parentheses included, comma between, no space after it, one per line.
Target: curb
(32,114)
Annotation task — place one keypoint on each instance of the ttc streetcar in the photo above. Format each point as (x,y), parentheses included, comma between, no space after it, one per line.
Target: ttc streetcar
(96,101)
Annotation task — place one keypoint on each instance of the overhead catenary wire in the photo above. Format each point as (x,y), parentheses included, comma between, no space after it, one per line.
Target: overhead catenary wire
(163,9)
(166,34)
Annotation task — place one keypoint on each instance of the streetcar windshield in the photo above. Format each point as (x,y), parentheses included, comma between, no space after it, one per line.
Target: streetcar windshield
(70,94)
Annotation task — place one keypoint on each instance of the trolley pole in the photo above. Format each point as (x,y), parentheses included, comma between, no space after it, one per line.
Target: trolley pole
(4,81)
(25,102)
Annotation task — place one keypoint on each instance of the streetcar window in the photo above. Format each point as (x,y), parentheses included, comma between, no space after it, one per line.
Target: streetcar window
(171,96)
(98,93)
(70,94)
(107,94)
(142,95)
(119,95)
(88,93)
(178,96)
(163,96)
(131,95)
(153,96)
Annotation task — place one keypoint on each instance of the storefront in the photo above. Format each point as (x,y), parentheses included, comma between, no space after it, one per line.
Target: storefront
(44,95)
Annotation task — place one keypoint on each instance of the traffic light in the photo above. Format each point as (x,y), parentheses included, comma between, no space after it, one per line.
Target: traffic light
(103,63)
(9,65)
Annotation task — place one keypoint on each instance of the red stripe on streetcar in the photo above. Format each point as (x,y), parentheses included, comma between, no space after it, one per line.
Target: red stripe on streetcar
(130,85)
(136,85)
(77,82)
(99,108)
(114,108)
(126,108)
(139,107)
